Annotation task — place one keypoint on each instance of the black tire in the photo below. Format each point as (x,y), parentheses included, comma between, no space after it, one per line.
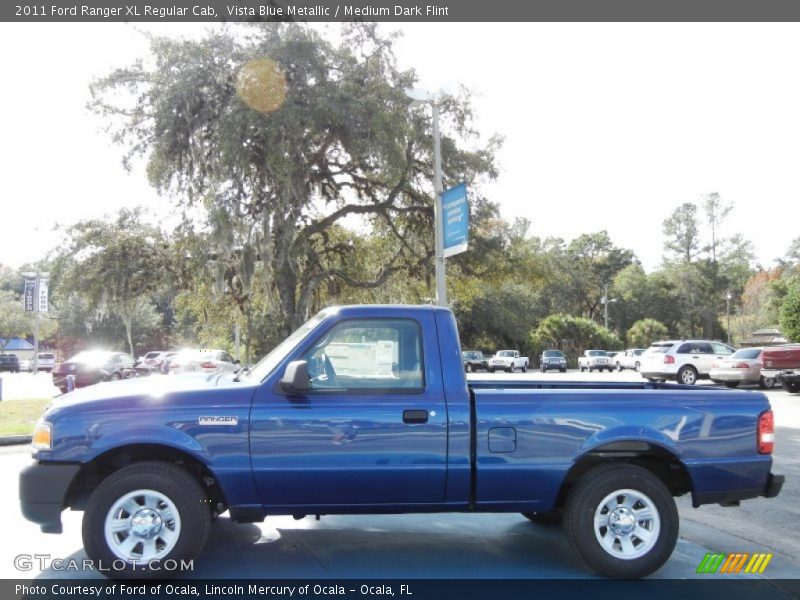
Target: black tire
(491,370)
(184,492)
(793,387)
(636,367)
(524,368)
(731,384)
(562,370)
(115,376)
(590,369)
(510,369)
(687,375)
(543,370)
(582,369)
(766,383)
(619,368)
(587,497)
(468,368)
(555,517)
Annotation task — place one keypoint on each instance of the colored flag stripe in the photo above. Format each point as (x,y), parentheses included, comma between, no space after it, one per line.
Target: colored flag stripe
(767,558)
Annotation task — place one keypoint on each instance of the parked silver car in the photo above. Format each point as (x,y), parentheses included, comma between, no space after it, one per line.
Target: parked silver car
(743,366)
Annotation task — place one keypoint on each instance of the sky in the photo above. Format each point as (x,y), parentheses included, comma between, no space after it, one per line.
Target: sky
(606,126)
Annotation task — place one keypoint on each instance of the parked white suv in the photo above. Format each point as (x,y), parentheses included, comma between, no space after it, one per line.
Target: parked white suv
(508,360)
(594,359)
(47,361)
(684,361)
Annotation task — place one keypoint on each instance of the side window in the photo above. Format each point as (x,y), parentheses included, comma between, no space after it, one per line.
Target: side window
(721,348)
(368,354)
(685,349)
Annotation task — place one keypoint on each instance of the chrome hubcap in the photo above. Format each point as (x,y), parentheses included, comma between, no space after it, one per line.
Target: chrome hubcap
(626,524)
(146,523)
(142,526)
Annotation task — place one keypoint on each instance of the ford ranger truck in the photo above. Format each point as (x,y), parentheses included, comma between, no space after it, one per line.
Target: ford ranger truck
(783,364)
(365,410)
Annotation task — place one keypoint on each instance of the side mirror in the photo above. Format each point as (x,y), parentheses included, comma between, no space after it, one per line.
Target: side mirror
(295,378)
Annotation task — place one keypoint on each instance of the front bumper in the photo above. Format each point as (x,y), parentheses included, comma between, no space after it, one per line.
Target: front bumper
(42,490)
(553,365)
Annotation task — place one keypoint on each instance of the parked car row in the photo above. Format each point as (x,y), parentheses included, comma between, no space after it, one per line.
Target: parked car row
(93,366)
(503,360)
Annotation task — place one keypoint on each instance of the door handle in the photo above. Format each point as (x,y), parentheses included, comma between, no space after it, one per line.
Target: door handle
(415,416)
(695,357)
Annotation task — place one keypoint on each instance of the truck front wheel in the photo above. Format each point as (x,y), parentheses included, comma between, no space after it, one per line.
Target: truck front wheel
(793,387)
(622,521)
(143,517)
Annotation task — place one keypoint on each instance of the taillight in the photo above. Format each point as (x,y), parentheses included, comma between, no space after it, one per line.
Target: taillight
(174,365)
(766,432)
(208,365)
(669,360)
(741,366)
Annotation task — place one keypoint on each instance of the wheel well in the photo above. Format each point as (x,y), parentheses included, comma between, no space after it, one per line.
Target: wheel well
(95,471)
(656,459)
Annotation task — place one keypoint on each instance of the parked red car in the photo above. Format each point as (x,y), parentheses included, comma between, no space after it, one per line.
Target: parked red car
(93,367)
(783,363)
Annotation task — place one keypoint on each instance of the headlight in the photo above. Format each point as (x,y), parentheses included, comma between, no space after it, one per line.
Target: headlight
(43,436)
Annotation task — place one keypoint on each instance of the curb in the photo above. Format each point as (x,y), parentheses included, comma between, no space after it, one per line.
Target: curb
(12,440)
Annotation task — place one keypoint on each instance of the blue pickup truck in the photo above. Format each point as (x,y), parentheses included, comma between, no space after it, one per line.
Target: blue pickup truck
(366,409)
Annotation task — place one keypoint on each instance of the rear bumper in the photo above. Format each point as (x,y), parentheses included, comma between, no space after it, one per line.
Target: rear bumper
(42,489)
(771,488)
(739,375)
(782,374)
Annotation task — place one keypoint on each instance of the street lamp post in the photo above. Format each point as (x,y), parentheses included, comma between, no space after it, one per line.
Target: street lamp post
(420,97)
(37,315)
(728,298)
(605,300)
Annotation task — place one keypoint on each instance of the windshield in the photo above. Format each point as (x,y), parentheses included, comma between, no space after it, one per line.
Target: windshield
(267,364)
(553,354)
(595,353)
(505,353)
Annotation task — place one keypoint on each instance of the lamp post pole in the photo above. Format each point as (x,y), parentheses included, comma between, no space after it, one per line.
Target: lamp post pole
(419,97)
(728,312)
(438,188)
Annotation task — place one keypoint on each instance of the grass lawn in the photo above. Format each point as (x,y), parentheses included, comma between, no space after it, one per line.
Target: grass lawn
(17,417)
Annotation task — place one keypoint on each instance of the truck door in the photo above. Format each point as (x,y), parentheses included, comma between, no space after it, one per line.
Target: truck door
(372,429)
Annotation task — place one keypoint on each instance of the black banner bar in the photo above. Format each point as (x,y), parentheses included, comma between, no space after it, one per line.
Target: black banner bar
(398,10)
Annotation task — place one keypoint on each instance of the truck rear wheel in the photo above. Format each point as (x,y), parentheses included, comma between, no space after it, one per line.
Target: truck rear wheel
(148,512)
(621,520)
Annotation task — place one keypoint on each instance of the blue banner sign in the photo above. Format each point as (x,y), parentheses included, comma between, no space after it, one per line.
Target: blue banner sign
(455,220)
(30,295)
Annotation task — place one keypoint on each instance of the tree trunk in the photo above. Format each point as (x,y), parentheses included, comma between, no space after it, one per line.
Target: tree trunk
(127,320)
